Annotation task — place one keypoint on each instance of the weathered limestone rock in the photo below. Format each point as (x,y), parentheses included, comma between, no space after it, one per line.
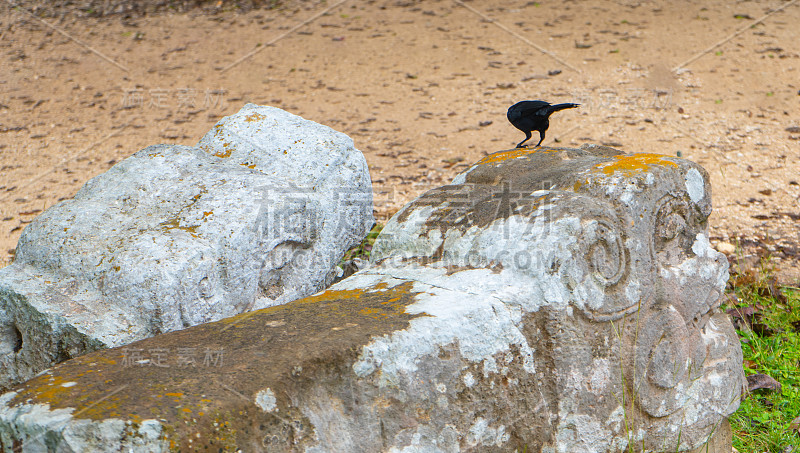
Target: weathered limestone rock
(258,214)
(556,300)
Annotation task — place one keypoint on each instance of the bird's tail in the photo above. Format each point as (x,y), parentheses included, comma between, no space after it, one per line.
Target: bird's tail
(557,107)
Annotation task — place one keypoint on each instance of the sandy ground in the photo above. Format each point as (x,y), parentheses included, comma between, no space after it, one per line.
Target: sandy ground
(422,87)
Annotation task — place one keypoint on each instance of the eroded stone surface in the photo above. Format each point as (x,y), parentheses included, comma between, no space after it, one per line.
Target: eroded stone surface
(558,301)
(258,214)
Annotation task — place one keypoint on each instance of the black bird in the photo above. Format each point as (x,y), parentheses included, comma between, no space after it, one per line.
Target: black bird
(530,116)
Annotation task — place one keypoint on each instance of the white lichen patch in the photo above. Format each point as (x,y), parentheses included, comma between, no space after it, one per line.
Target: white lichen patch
(461,178)
(633,292)
(482,434)
(708,264)
(478,324)
(702,247)
(615,419)
(489,366)
(265,399)
(712,336)
(469,379)
(600,376)
(581,433)
(695,185)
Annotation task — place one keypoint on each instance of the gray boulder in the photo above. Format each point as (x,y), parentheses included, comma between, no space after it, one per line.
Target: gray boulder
(559,301)
(258,214)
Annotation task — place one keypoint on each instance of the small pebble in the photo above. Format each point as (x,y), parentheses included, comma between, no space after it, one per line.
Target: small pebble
(726,248)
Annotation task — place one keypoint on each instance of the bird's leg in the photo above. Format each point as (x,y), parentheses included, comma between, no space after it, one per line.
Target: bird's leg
(527,137)
(541,137)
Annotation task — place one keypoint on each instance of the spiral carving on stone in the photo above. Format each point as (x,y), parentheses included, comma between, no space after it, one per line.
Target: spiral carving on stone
(606,255)
(602,244)
(676,226)
(665,358)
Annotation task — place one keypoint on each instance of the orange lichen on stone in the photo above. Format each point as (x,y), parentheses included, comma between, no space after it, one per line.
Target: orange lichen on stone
(254,117)
(329,295)
(174,224)
(332,295)
(227,151)
(506,155)
(516,153)
(374,313)
(628,164)
(51,390)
